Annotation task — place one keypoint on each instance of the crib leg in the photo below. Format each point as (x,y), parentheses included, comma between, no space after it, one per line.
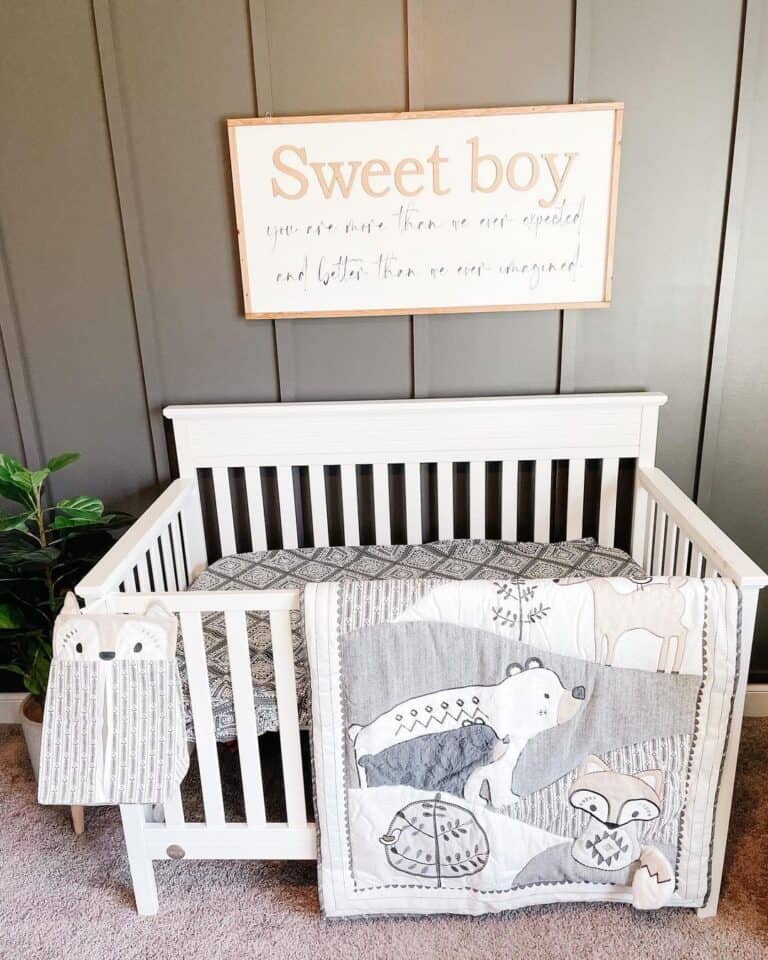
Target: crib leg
(142,871)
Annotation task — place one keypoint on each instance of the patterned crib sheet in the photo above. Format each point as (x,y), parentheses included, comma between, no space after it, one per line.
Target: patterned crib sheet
(446,560)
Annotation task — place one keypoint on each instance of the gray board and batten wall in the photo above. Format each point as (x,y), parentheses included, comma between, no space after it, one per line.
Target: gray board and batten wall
(119,278)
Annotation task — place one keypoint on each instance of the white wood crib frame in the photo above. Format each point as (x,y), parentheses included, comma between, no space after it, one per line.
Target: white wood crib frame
(166,548)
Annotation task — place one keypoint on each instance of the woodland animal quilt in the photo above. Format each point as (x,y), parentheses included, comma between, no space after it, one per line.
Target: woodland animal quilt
(113,728)
(485,745)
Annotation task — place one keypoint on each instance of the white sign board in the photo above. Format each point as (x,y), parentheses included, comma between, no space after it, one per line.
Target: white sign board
(451,211)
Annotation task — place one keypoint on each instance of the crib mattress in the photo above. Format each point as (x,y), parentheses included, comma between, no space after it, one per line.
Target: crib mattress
(447,559)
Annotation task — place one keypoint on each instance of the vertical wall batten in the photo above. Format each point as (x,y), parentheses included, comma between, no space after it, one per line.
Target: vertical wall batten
(134,251)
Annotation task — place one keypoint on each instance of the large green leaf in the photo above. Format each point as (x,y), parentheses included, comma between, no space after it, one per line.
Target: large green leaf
(62,460)
(17,522)
(38,477)
(15,481)
(78,512)
(10,616)
(14,555)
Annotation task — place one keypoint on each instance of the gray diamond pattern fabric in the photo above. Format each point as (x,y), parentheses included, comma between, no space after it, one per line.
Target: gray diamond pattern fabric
(290,569)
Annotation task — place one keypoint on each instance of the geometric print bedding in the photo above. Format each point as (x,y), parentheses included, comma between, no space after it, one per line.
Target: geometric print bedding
(447,559)
(486,745)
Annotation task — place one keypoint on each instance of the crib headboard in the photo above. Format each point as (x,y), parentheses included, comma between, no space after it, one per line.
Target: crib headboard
(298,474)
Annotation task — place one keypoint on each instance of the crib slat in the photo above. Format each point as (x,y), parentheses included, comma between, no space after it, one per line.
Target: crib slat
(574,526)
(509,469)
(541,504)
(681,564)
(129,584)
(413,502)
(245,716)
(156,567)
(143,571)
(287,507)
(255,508)
(608,489)
(288,716)
(167,554)
(178,555)
(173,809)
(696,562)
(445,500)
(477,499)
(658,547)
(319,504)
(202,716)
(669,550)
(224,511)
(349,504)
(648,544)
(381,503)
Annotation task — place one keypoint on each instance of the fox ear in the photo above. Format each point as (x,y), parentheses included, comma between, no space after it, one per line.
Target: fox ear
(514,668)
(592,764)
(654,779)
(156,612)
(533,663)
(70,604)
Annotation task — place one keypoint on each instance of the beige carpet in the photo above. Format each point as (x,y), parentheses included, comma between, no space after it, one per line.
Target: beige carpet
(68,897)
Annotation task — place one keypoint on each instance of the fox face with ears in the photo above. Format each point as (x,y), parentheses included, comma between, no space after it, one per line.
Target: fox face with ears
(615,803)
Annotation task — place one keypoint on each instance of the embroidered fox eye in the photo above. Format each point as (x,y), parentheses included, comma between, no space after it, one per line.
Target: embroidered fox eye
(546,696)
(79,647)
(635,813)
(592,807)
(137,647)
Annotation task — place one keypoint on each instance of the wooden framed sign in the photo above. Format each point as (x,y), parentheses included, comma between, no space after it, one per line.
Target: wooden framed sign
(448,211)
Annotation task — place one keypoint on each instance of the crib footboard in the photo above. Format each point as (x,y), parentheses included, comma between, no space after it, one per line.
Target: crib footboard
(175,836)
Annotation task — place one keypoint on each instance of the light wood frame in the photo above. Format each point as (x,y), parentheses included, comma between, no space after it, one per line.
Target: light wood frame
(167,547)
(616,106)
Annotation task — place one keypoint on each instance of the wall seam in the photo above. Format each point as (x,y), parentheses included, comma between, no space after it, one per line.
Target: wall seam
(725,292)
(261,65)
(130,222)
(18,378)
(580,63)
(414,50)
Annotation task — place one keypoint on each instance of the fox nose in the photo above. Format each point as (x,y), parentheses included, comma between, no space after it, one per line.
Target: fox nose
(107,654)
(579,693)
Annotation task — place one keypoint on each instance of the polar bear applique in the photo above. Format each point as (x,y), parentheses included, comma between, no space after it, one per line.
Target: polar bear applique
(527,701)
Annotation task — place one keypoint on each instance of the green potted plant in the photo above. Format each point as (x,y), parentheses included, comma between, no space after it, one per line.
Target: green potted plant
(44,551)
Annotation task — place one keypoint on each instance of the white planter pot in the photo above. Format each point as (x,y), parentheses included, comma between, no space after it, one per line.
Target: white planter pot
(33,732)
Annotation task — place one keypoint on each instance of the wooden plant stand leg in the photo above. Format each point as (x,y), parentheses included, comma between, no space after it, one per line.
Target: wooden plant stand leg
(78,819)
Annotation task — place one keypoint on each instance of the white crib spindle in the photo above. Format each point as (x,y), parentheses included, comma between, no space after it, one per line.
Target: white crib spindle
(287,507)
(319,504)
(541,500)
(648,542)
(381,503)
(658,546)
(178,554)
(224,517)
(156,567)
(168,565)
(349,504)
(143,571)
(288,716)
(509,471)
(574,525)
(245,716)
(696,561)
(608,490)
(681,564)
(445,500)
(413,502)
(669,550)
(477,499)
(255,499)
(202,716)
(173,809)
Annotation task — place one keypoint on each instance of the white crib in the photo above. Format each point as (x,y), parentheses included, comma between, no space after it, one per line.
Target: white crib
(298,446)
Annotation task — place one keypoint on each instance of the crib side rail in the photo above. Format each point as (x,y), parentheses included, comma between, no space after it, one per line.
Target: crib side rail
(156,554)
(679,538)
